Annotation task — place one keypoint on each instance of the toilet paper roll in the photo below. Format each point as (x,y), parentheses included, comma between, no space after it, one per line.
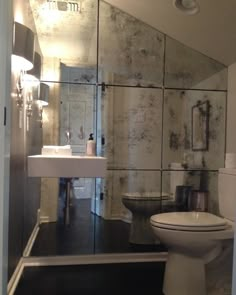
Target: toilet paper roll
(230,160)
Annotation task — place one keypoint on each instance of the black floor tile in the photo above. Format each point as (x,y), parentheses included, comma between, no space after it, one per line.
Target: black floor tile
(105,279)
(86,234)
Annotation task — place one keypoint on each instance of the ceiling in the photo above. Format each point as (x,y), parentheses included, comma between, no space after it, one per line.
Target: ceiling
(212,31)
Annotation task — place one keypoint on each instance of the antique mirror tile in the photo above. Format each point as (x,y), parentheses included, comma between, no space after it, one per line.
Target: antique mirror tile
(181,184)
(189,69)
(68,31)
(77,115)
(132,181)
(128,49)
(133,124)
(192,136)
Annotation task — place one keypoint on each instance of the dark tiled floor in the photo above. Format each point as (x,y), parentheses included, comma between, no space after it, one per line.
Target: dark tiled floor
(107,279)
(86,234)
(89,234)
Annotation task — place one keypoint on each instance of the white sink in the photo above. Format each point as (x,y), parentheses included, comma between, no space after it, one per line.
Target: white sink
(66,166)
(64,150)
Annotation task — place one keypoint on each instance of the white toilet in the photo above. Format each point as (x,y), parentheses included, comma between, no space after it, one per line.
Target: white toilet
(143,206)
(194,239)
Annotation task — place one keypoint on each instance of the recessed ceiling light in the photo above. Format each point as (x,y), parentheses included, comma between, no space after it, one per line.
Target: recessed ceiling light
(187,6)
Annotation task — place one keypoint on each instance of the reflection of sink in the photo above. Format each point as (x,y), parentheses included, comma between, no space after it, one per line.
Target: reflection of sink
(66,166)
(57,150)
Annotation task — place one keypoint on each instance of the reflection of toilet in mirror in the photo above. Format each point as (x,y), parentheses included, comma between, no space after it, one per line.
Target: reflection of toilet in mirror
(142,206)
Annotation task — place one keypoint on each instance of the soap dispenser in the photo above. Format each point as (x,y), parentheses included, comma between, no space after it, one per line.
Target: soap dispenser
(91,146)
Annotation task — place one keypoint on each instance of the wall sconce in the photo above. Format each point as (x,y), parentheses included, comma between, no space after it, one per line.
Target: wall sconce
(31,80)
(23,48)
(33,76)
(22,60)
(20,97)
(29,109)
(43,100)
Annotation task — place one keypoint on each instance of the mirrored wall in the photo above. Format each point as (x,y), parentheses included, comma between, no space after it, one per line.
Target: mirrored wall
(157,110)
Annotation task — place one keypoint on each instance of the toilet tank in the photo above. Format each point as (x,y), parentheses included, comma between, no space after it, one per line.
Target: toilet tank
(227,193)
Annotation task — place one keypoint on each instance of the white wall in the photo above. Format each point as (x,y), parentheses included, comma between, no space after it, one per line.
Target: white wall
(5,98)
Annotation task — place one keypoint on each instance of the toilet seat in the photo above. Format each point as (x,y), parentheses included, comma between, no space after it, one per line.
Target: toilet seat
(189,221)
(146,196)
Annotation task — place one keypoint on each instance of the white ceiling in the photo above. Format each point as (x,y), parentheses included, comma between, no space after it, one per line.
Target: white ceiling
(212,31)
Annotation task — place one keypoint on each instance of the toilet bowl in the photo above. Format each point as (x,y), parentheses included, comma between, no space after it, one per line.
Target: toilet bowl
(142,206)
(194,239)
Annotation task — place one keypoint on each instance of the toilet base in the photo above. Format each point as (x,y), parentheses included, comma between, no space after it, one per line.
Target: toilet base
(141,231)
(184,275)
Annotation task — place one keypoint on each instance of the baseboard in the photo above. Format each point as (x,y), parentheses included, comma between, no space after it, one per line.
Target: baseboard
(70,260)
(27,261)
(31,240)
(11,287)
(118,217)
(95,259)
(126,219)
(44,219)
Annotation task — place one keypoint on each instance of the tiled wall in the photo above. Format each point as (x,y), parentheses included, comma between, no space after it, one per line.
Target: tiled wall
(144,112)
(146,85)
(153,82)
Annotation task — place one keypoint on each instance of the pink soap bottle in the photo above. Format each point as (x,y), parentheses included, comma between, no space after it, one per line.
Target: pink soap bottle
(91,146)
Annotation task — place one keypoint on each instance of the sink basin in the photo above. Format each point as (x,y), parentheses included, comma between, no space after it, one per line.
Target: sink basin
(56,150)
(66,166)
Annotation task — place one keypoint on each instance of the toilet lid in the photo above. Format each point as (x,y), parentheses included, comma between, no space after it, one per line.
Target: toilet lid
(189,221)
(146,196)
